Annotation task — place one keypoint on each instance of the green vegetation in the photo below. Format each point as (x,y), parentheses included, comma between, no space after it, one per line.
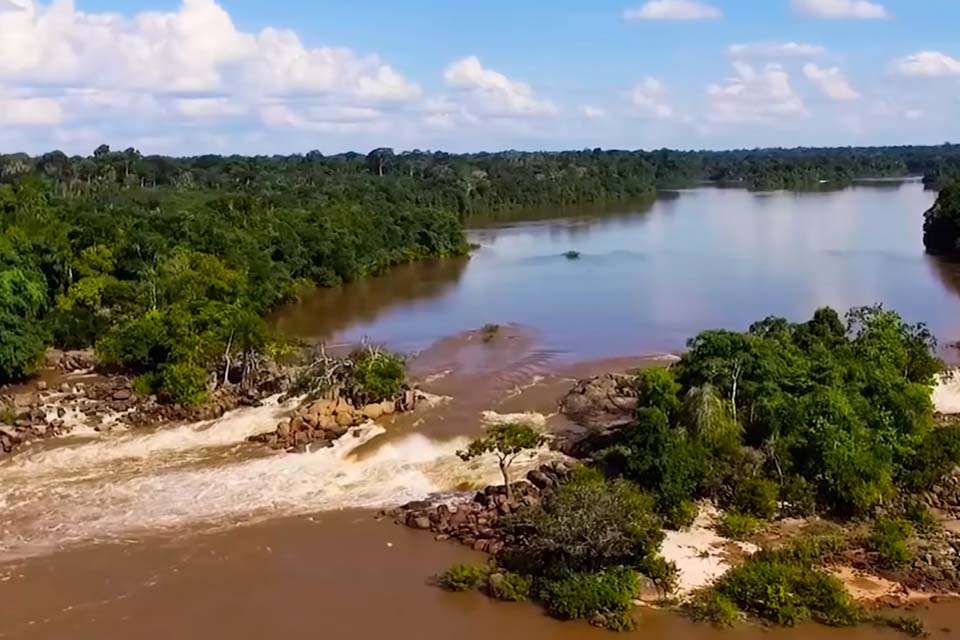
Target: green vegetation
(462,577)
(572,255)
(580,595)
(889,539)
(941,227)
(489,332)
(910,625)
(737,526)
(783,587)
(510,587)
(818,415)
(375,376)
(919,515)
(507,442)
(713,606)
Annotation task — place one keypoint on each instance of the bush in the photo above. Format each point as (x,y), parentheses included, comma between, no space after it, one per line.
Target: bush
(614,621)
(737,526)
(919,515)
(712,606)
(889,539)
(665,575)
(183,383)
(776,586)
(588,526)
(489,332)
(756,497)
(462,577)
(910,625)
(798,497)
(581,595)
(510,587)
(146,384)
(680,516)
(377,376)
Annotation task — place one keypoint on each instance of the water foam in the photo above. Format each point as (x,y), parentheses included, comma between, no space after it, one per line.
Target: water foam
(199,475)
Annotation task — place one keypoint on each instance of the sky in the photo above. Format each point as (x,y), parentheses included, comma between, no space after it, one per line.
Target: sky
(289,76)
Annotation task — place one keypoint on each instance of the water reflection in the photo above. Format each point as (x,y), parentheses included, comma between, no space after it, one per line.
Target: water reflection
(649,277)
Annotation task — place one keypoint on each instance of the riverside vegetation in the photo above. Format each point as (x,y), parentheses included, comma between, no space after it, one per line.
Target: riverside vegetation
(168,265)
(822,417)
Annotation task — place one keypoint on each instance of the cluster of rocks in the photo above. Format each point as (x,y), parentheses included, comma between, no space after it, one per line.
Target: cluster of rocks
(945,495)
(31,424)
(320,422)
(474,521)
(70,361)
(936,566)
(603,402)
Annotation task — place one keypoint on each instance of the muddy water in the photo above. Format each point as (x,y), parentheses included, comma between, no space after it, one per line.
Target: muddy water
(189,532)
(649,277)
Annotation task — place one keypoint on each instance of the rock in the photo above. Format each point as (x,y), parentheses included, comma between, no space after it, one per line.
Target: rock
(283,430)
(42,385)
(345,419)
(388,407)
(421,522)
(372,411)
(64,388)
(122,394)
(601,402)
(297,423)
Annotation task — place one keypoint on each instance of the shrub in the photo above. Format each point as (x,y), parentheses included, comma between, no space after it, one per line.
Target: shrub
(658,389)
(756,497)
(588,526)
(377,376)
(462,577)
(665,575)
(614,621)
(919,515)
(146,384)
(571,255)
(681,515)
(511,587)
(713,606)
(489,332)
(776,586)
(737,526)
(581,595)
(889,539)
(910,625)
(798,497)
(183,383)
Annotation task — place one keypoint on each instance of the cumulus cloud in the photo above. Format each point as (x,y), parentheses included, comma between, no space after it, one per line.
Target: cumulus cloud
(932,64)
(189,64)
(651,98)
(775,50)
(492,94)
(754,95)
(831,81)
(673,10)
(837,9)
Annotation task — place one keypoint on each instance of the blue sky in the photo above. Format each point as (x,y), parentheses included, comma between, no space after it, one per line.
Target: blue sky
(222,76)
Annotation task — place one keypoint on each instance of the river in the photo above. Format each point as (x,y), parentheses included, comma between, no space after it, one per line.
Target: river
(189,532)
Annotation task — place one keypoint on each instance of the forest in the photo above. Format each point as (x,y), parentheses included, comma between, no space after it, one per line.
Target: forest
(168,265)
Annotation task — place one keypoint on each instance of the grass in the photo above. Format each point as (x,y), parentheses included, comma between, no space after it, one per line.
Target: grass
(737,526)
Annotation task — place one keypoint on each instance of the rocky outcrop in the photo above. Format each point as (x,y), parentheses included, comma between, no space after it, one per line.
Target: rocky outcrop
(320,422)
(945,495)
(474,521)
(601,403)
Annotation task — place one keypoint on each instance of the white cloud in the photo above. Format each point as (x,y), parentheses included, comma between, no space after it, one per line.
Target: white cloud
(673,10)
(931,64)
(831,82)
(754,95)
(836,9)
(29,111)
(492,94)
(651,98)
(208,108)
(593,113)
(775,50)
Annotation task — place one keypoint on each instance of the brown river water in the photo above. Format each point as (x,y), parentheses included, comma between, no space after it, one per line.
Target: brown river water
(188,532)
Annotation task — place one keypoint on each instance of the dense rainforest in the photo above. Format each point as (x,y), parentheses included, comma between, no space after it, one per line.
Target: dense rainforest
(168,265)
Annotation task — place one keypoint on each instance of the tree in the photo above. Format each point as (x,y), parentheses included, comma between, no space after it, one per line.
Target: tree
(507,442)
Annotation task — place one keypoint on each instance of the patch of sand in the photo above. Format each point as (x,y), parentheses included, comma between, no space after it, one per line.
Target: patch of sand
(702,555)
(867,587)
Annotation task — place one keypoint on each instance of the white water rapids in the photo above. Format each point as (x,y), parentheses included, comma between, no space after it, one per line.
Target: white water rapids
(203,475)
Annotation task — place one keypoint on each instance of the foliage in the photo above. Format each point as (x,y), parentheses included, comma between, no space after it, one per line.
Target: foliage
(183,383)
(816,415)
(680,515)
(737,526)
(462,577)
(376,376)
(576,595)
(664,574)
(785,589)
(910,625)
(489,332)
(941,227)
(510,587)
(507,442)
(614,621)
(588,526)
(919,515)
(713,606)
(889,539)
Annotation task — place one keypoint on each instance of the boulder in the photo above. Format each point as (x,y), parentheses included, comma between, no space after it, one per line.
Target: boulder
(372,411)
(388,407)
(345,419)
(122,394)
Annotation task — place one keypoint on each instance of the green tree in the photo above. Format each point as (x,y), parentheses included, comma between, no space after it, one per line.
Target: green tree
(507,442)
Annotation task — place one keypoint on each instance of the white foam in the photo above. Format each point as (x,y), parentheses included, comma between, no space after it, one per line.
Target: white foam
(197,476)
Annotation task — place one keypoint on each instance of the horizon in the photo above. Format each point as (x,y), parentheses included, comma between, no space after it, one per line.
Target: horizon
(230,77)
